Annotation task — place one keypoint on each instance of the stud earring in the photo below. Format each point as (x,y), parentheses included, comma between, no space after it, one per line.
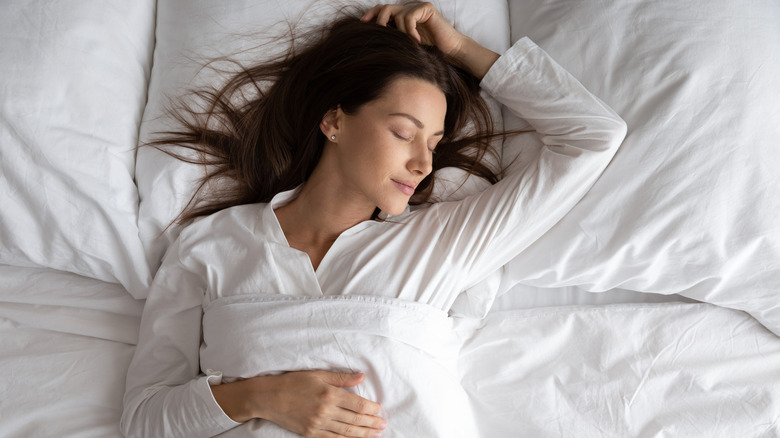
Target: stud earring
(332,137)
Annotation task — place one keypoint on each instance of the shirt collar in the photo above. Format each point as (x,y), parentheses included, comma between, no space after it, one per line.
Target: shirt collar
(271,227)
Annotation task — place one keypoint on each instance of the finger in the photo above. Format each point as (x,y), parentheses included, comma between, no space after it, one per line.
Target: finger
(400,23)
(385,14)
(410,27)
(367,421)
(368,16)
(352,431)
(358,404)
(341,380)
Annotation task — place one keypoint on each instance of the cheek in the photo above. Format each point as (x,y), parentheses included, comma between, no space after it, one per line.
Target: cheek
(358,137)
(358,164)
(367,149)
(372,166)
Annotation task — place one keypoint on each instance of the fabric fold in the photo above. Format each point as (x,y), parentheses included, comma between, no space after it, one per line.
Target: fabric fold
(408,352)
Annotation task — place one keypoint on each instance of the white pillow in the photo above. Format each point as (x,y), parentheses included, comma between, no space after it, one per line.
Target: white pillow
(189,33)
(690,204)
(74,80)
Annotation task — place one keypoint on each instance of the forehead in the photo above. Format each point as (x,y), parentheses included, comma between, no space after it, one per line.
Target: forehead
(417,97)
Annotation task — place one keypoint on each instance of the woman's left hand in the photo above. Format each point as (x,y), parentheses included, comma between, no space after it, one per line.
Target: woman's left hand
(422,22)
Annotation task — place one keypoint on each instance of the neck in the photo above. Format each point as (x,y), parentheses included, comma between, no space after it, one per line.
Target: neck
(323,210)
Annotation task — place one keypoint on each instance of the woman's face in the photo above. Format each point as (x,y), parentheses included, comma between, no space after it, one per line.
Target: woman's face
(385,149)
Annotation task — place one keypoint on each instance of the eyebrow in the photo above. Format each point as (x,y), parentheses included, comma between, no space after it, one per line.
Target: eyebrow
(414,120)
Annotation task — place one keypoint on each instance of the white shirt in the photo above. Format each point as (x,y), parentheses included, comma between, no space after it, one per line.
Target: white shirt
(428,256)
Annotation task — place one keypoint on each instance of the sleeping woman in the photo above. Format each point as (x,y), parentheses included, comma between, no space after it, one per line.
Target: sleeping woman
(306,297)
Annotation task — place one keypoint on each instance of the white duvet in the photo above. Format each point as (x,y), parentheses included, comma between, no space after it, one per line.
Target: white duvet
(408,352)
(623,370)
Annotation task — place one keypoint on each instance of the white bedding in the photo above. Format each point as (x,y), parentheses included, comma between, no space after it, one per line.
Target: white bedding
(670,376)
(74,83)
(689,206)
(624,370)
(65,344)
(407,350)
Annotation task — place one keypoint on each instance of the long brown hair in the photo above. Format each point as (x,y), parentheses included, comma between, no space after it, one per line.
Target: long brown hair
(263,139)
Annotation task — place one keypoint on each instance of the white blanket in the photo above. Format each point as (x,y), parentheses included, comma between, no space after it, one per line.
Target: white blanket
(627,370)
(407,350)
(65,344)
(624,370)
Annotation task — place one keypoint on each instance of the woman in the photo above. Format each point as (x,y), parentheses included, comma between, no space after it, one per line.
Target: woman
(312,297)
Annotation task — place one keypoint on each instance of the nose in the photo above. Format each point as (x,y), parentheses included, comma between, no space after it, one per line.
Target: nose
(421,160)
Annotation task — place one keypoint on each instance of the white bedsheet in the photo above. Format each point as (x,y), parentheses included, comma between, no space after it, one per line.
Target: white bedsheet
(65,344)
(626,370)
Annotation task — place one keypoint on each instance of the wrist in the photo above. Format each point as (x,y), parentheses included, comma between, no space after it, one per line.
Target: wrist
(234,399)
(475,58)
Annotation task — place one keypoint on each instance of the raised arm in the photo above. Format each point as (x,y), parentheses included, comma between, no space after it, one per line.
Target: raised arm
(580,135)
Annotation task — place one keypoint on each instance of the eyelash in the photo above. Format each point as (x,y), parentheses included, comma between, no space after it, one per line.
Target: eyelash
(400,137)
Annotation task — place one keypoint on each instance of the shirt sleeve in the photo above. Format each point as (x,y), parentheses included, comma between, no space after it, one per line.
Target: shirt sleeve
(580,135)
(166,394)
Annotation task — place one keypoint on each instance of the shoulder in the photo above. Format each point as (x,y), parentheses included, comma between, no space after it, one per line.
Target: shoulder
(234,224)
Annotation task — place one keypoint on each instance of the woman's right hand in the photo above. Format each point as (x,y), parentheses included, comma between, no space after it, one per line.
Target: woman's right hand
(427,26)
(310,403)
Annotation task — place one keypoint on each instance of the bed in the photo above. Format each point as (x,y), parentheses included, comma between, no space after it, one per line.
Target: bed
(651,309)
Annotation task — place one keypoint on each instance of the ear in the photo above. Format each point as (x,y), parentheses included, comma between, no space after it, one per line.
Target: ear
(331,122)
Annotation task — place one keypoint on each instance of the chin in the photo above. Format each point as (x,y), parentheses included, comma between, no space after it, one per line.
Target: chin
(395,208)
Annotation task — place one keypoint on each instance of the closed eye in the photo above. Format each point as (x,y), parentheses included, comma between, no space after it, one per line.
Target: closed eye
(433,143)
(401,137)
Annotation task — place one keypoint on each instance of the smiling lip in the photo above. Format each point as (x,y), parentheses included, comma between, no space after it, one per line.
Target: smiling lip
(405,186)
